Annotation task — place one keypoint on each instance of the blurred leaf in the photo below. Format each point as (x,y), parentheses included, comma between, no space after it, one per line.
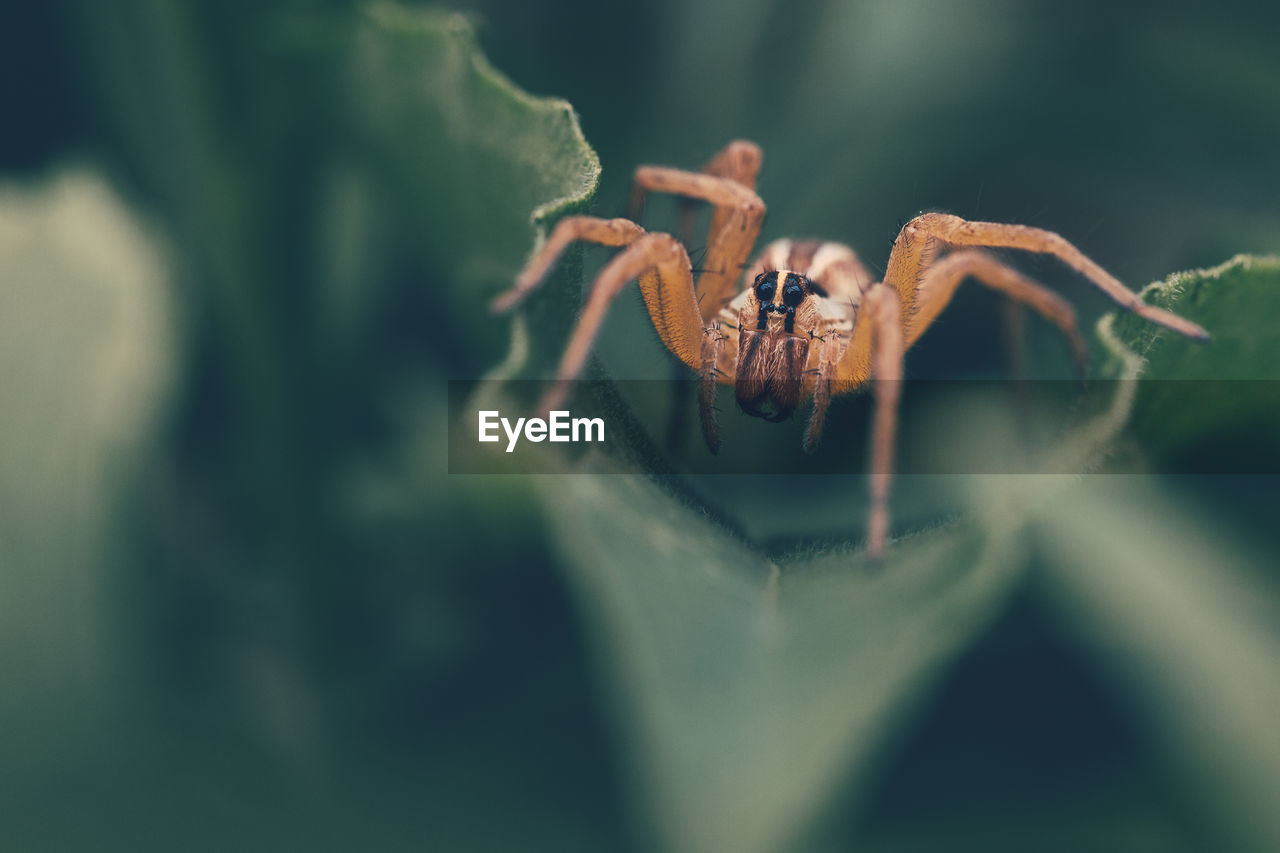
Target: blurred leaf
(1184,621)
(357,182)
(752,689)
(87,344)
(1188,628)
(387,160)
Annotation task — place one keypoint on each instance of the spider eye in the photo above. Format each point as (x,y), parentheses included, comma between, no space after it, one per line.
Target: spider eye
(766,286)
(792,293)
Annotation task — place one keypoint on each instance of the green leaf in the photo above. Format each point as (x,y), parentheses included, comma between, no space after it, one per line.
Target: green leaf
(1235,301)
(87,342)
(483,157)
(1209,407)
(750,688)
(478,164)
(1186,624)
(1181,619)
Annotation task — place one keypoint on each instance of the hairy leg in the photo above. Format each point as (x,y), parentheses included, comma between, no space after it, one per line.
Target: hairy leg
(606,232)
(666,282)
(874,354)
(662,266)
(735,222)
(739,161)
(830,337)
(939,281)
(836,268)
(884,312)
(920,237)
(713,339)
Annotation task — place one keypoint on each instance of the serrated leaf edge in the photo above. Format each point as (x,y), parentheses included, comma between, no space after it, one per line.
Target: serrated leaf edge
(392,15)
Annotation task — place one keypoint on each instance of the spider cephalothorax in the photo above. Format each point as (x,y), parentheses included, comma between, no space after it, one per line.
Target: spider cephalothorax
(775,325)
(808,321)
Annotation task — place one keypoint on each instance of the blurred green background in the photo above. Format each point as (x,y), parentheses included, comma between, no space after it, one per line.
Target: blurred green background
(243,604)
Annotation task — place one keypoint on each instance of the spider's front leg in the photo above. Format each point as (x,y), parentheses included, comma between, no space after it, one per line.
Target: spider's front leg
(713,338)
(829,337)
(605,232)
(884,311)
(874,353)
(666,281)
(846,280)
(920,238)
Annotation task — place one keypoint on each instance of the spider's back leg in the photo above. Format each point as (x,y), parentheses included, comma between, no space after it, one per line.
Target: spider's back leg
(728,184)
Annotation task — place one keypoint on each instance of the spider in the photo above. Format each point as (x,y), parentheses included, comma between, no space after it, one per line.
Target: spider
(809,321)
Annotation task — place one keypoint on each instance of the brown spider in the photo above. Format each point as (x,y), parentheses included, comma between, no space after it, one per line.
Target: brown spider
(810,321)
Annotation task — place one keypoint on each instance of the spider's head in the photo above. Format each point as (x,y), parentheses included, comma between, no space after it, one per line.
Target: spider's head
(775,326)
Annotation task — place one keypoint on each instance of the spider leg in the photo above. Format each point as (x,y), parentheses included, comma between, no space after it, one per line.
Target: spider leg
(1013,335)
(939,281)
(874,353)
(735,223)
(739,161)
(606,232)
(666,282)
(916,243)
(829,339)
(884,313)
(712,343)
(844,359)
